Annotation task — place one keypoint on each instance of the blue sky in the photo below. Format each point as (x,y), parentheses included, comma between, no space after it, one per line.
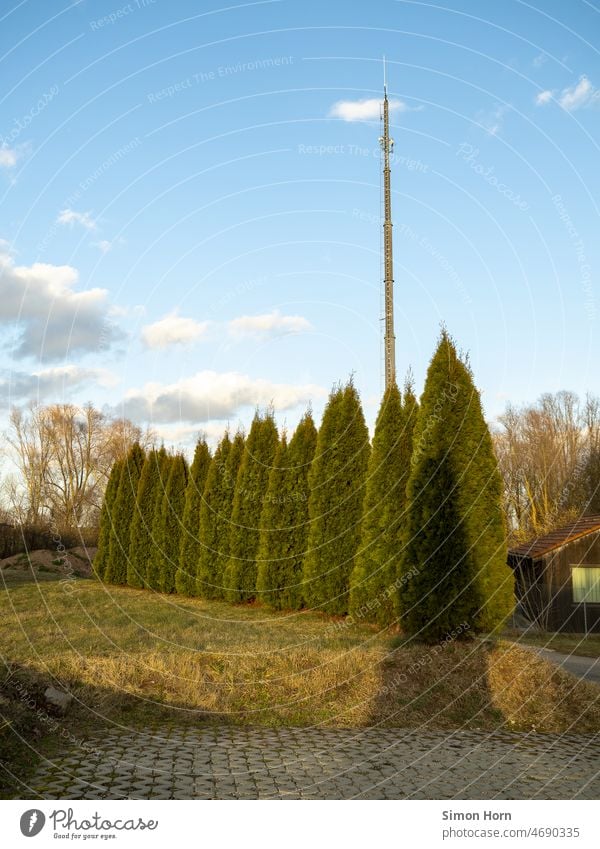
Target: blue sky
(190,200)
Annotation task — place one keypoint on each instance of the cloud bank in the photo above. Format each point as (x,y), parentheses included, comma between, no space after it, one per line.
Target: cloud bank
(173,330)
(49,383)
(210,395)
(51,318)
(266,325)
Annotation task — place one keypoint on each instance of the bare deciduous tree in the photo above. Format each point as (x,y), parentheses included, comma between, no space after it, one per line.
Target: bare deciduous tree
(546,454)
(28,438)
(64,454)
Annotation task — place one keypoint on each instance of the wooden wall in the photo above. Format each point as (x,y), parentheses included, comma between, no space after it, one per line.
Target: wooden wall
(565,615)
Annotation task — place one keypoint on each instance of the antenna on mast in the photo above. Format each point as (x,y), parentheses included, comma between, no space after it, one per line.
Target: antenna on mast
(387,146)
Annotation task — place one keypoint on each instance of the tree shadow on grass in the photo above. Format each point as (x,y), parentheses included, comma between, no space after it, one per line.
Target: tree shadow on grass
(33,731)
(485,685)
(439,686)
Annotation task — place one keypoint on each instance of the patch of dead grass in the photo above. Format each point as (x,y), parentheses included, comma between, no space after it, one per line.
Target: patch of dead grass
(129,652)
(300,687)
(532,693)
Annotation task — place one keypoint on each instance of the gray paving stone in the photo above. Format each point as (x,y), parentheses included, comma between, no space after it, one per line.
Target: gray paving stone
(248,763)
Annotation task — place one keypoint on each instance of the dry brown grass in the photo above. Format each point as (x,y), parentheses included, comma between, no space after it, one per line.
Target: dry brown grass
(300,687)
(534,694)
(474,685)
(131,654)
(118,649)
(437,687)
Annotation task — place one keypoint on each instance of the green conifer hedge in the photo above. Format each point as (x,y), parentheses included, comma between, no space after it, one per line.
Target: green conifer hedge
(106,519)
(150,490)
(284,522)
(251,485)
(170,523)
(215,517)
(189,553)
(440,593)
(451,425)
(123,514)
(337,486)
(375,579)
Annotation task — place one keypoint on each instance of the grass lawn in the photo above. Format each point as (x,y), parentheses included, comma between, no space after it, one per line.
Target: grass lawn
(567,643)
(132,657)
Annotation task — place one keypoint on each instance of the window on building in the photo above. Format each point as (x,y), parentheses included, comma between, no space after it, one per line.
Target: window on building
(586,584)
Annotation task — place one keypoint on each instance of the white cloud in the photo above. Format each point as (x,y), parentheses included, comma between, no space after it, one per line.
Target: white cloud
(578,96)
(177,436)
(367,109)
(105,245)
(8,156)
(581,94)
(173,330)
(268,324)
(51,382)
(540,60)
(51,318)
(493,121)
(212,396)
(70,217)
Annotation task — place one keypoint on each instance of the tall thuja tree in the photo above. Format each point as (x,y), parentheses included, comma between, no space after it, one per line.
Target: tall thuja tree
(284,522)
(106,519)
(156,538)
(411,410)
(150,489)
(411,414)
(374,582)
(272,528)
(215,516)
(250,488)
(441,592)
(337,487)
(189,552)
(450,424)
(123,514)
(169,529)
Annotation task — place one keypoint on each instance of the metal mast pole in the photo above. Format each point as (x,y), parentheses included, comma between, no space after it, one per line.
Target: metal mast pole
(387,146)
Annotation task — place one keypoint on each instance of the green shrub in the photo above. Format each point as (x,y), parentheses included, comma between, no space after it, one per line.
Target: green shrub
(150,491)
(189,553)
(122,516)
(374,583)
(250,488)
(450,425)
(440,591)
(284,521)
(106,519)
(215,517)
(337,485)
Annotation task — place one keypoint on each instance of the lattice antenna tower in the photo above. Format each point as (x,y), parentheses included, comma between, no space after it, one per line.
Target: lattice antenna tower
(387,149)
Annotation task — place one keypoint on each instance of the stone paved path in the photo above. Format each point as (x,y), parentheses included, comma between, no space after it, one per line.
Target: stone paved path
(226,762)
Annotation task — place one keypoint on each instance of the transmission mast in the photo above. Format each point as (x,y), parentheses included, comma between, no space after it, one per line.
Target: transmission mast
(387,147)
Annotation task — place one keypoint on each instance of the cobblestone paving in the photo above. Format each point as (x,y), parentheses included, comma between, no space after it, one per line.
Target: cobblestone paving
(225,762)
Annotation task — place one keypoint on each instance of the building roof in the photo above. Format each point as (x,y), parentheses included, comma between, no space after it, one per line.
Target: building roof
(544,544)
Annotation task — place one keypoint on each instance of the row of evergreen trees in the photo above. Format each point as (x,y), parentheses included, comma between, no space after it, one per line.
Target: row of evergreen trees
(407,529)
